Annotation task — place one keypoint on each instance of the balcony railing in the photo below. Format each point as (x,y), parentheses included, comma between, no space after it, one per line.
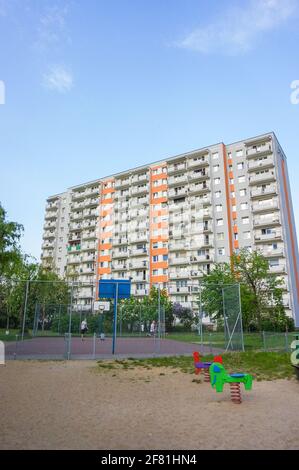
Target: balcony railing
(266,221)
(266,176)
(272,189)
(277,269)
(275,235)
(265,207)
(263,150)
(265,163)
(203,161)
(176,168)
(172,180)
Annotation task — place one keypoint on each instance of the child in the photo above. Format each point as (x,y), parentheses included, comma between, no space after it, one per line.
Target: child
(84,328)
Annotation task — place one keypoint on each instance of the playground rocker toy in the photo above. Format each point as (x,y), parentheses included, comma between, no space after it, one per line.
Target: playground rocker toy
(201,366)
(219,377)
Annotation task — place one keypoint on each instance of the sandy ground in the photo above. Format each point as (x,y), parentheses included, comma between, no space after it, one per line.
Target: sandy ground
(70,405)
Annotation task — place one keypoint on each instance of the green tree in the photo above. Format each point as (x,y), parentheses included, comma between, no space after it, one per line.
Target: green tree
(261,292)
(10,233)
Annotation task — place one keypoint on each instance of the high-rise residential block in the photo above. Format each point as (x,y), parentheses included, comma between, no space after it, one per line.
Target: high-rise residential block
(167,223)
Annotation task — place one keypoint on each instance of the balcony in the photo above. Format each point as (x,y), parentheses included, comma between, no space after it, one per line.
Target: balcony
(275,235)
(202,259)
(119,267)
(179,289)
(92,191)
(265,207)
(197,176)
(77,216)
(138,264)
(265,163)
(88,235)
(174,168)
(140,292)
(49,234)
(48,245)
(139,190)
(269,253)
(175,246)
(51,215)
(199,188)
(177,192)
(88,246)
(266,221)
(173,180)
(88,258)
(278,269)
(52,206)
(119,254)
(263,177)
(180,260)
(49,225)
(78,195)
(77,205)
(47,255)
(198,161)
(90,213)
(92,202)
(120,241)
(179,274)
(259,152)
(136,252)
(76,227)
(141,178)
(73,260)
(122,183)
(272,189)
(138,238)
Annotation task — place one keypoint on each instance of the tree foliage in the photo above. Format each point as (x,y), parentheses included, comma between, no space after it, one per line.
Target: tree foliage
(261,292)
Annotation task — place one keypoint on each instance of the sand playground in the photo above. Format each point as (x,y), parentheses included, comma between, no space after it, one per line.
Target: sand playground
(75,405)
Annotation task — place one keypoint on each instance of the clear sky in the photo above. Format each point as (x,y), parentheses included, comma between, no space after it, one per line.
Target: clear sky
(93,87)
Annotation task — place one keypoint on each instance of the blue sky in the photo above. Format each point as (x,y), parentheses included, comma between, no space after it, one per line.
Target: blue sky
(94,87)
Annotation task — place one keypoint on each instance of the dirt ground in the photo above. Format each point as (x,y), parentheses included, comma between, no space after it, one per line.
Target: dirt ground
(72,405)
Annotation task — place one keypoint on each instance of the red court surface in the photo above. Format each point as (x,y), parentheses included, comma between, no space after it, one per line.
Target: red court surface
(57,348)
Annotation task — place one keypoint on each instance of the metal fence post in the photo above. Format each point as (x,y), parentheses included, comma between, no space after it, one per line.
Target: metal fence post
(25,310)
(286,341)
(94,346)
(264,341)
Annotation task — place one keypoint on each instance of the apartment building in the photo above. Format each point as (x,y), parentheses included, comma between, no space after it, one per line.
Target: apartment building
(167,223)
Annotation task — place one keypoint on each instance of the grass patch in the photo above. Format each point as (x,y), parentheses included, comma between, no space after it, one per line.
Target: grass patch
(262,365)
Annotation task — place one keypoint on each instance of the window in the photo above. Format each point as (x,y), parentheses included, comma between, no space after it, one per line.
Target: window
(221,251)
(244,206)
(218,207)
(155,259)
(234,208)
(220,236)
(242,192)
(215,155)
(217,180)
(155,272)
(231,181)
(155,245)
(236,236)
(217,194)
(245,220)
(165,257)
(246,235)
(239,153)
(240,166)
(241,179)
(274,262)
(219,222)
(216,168)
(274,246)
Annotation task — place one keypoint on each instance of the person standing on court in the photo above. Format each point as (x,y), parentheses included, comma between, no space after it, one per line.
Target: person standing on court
(84,328)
